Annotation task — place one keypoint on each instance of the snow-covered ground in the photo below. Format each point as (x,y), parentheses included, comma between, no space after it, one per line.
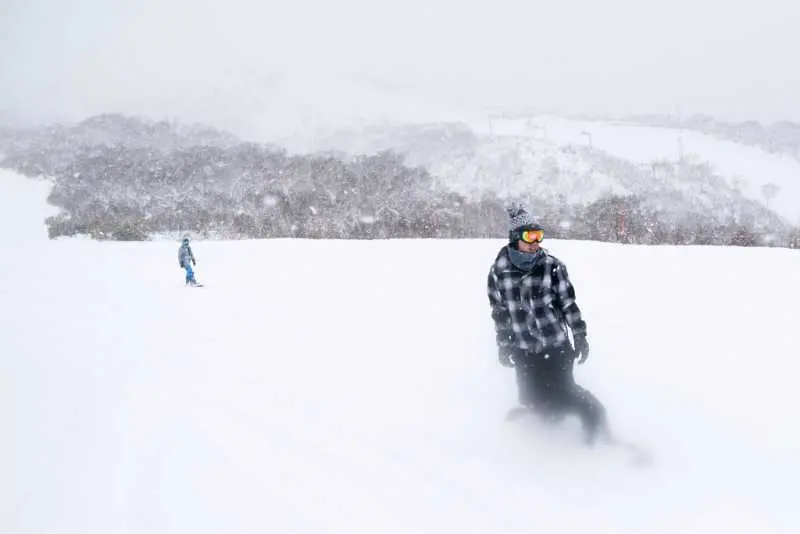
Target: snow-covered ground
(23,210)
(332,386)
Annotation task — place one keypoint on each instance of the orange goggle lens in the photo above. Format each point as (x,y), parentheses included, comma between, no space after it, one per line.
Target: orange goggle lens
(532,236)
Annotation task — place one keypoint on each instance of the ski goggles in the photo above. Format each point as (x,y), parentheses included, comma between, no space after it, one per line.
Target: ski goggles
(532,236)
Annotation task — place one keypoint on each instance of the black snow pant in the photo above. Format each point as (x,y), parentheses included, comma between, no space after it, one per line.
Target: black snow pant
(546,385)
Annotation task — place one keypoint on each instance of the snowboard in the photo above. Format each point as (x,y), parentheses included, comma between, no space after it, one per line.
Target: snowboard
(631,452)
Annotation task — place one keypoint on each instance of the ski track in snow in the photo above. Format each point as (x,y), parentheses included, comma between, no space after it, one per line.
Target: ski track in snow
(354,387)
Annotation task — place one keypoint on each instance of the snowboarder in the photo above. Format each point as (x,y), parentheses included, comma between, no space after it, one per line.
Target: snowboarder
(533,306)
(186,260)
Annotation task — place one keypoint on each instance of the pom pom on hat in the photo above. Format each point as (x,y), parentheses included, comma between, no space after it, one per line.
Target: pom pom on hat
(518,218)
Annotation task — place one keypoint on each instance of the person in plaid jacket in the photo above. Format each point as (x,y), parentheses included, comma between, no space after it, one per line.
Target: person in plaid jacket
(533,306)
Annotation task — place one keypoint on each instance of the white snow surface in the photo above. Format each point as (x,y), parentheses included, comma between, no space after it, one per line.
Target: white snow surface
(23,209)
(344,386)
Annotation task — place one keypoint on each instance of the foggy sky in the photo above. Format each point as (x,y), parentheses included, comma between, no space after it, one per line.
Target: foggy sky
(271,67)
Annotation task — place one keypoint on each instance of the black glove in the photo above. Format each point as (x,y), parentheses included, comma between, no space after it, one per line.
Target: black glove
(581,348)
(505,349)
(506,356)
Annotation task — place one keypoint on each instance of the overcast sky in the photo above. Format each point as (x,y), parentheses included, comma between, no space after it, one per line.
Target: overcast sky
(244,62)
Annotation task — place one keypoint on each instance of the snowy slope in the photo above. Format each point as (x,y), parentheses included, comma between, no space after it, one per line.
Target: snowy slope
(284,397)
(470,161)
(553,158)
(747,168)
(23,209)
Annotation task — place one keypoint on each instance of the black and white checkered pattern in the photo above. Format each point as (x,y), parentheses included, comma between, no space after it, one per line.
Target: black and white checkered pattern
(532,310)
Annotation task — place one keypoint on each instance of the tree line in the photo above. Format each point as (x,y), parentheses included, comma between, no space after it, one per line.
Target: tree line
(236,190)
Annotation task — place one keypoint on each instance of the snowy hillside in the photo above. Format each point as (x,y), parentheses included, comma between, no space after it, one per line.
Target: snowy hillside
(551,158)
(781,137)
(283,398)
(113,129)
(746,168)
(119,177)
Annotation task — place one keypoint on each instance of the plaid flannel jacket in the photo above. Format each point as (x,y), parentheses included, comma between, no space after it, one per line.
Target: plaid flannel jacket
(532,310)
